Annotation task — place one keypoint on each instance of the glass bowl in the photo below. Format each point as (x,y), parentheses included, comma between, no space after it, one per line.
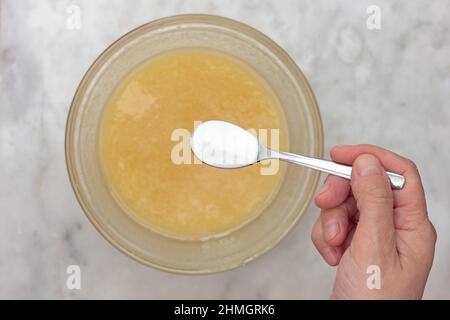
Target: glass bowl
(303,124)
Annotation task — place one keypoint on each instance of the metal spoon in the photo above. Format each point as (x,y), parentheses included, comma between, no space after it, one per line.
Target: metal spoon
(225,145)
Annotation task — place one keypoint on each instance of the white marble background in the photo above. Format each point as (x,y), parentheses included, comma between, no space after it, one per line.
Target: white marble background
(389,87)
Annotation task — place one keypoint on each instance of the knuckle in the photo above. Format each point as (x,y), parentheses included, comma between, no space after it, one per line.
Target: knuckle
(427,232)
(433,233)
(411,165)
(315,234)
(367,145)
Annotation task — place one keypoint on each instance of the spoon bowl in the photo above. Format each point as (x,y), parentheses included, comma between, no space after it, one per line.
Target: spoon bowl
(225,145)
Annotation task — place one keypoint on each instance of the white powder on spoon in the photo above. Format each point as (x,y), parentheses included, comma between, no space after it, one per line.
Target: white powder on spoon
(224,145)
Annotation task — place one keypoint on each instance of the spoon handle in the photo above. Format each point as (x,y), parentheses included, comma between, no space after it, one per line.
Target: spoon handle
(336,169)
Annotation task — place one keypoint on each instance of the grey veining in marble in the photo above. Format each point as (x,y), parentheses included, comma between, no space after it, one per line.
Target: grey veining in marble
(389,87)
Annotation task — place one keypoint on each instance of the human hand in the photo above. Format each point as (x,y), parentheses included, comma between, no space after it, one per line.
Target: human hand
(363,222)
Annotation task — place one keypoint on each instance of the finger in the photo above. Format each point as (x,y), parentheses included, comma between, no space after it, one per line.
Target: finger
(411,198)
(350,234)
(335,223)
(352,209)
(409,202)
(333,192)
(375,200)
(331,255)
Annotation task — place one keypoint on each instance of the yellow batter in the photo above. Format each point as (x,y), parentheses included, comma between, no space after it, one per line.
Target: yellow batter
(169,92)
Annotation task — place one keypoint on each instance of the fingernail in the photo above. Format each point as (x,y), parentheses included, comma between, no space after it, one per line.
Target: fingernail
(330,254)
(368,165)
(331,230)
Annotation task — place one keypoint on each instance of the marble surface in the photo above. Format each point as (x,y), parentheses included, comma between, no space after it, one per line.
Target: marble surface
(389,87)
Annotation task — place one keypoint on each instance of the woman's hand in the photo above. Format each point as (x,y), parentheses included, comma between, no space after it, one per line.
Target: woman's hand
(370,230)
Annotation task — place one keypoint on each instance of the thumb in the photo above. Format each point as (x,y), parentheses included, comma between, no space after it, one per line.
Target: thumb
(373,194)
